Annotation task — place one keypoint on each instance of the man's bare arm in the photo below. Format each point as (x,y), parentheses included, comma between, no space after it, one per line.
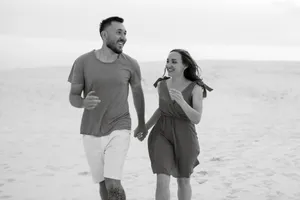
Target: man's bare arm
(139,102)
(75,97)
(90,102)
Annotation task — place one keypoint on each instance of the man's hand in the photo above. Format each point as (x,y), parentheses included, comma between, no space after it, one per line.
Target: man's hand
(91,101)
(141,132)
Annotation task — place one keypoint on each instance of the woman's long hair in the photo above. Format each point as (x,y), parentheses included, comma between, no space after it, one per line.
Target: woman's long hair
(192,72)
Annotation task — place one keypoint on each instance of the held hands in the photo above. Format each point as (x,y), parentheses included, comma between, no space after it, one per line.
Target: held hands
(91,101)
(141,132)
(177,96)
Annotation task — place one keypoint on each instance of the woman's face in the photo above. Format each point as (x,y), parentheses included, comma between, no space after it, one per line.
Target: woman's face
(174,64)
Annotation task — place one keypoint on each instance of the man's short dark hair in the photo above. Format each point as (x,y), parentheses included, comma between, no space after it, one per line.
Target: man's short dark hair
(106,22)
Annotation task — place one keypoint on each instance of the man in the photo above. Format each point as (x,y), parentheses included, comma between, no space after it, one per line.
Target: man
(104,76)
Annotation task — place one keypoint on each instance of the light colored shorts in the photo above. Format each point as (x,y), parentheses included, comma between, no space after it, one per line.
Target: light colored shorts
(106,155)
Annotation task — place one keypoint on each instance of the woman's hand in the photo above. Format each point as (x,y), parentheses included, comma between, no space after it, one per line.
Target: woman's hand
(177,96)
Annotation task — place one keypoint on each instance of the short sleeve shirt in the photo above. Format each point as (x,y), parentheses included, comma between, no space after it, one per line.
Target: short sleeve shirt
(110,81)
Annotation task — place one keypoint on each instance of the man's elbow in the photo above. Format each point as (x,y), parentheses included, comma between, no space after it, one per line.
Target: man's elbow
(71,100)
(137,92)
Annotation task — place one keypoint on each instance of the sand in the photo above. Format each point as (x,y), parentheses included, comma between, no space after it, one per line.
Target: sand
(249,136)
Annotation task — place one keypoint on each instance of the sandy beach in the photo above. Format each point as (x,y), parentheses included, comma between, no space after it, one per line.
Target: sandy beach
(249,135)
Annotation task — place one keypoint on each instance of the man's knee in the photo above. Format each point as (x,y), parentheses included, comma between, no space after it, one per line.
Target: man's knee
(115,189)
(163,181)
(183,182)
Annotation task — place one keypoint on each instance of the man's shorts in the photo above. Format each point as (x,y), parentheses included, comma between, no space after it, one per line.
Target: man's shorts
(106,155)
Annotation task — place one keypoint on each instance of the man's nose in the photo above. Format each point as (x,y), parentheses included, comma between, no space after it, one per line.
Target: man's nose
(123,37)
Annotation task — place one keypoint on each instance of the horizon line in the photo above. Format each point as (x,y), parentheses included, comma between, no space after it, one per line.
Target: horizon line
(162,61)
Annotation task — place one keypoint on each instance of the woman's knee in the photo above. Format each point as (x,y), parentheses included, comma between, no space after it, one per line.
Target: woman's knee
(183,182)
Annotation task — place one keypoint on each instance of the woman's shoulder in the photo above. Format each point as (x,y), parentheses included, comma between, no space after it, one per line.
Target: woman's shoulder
(197,89)
(157,82)
(202,87)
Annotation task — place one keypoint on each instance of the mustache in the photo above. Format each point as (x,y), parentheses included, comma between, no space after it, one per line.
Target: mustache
(121,40)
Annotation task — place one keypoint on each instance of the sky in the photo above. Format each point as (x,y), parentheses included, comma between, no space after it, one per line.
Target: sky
(43,32)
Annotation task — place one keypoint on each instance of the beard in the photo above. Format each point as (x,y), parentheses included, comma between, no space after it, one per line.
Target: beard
(113,46)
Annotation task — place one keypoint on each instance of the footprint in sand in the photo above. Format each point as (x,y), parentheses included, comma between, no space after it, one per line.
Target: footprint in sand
(83,173)
(231,197)
(46,174)
(76,185)
(227,184)
(10,180)
(202,173)
(52,168)
(55,145)
(216,159)
(201,181)
(134,175)
(5,197)
(6,167)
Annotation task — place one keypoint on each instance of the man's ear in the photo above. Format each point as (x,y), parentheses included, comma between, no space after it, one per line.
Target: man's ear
(104,35)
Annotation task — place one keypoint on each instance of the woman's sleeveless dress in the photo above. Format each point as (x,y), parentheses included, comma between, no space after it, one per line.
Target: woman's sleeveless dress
(173,143)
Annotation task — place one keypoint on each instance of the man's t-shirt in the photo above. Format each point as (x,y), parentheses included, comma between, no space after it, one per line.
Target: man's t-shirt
(110,81)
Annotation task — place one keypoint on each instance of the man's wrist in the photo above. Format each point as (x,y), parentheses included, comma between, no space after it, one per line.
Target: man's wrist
(141,122)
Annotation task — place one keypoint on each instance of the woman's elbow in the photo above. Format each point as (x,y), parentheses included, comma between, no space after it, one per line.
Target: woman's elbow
(196,120)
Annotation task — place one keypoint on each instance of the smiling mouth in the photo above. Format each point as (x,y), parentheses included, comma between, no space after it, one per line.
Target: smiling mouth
(170,69)
(121,43)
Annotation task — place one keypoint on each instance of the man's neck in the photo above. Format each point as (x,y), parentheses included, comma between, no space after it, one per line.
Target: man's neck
(106,55)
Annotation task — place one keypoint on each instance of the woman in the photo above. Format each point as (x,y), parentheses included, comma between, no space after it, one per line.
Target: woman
(173,143)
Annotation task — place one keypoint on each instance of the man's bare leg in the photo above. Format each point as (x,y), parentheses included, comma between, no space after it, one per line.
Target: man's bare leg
(162,187)
(184,189)
(115,189)
(103,190)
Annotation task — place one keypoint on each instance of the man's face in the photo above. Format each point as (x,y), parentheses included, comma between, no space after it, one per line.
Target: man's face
(116,37)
